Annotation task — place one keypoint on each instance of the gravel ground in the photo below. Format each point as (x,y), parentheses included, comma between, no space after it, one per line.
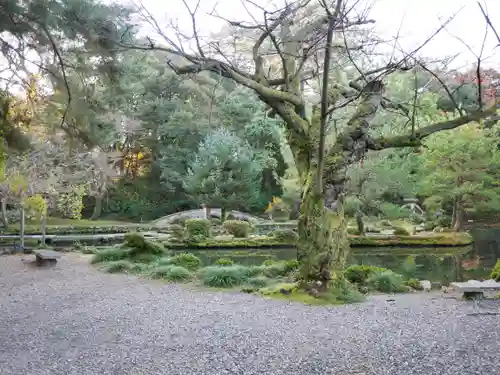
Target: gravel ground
(75,320)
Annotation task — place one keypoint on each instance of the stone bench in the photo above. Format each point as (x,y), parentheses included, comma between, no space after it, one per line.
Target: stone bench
(474,289)
(46,257)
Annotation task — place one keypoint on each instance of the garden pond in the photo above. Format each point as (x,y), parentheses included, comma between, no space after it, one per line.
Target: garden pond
(439,264)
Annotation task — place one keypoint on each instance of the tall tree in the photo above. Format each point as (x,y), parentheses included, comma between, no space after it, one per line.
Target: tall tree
(292,39)
(225,172)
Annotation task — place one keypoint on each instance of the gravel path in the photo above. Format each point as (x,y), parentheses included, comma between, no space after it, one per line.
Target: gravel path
(75,320)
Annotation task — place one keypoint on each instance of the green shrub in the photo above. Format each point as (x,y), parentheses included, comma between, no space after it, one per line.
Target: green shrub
(117,266)
(413,283)
(187,260)
(110,255)
(224,262)
(401,231)
(171,273)
(238,228)
(224,277)
(495,272)
(197,229)
(358,274)
(387,282)
(258,282)
(285,235)
(177,231)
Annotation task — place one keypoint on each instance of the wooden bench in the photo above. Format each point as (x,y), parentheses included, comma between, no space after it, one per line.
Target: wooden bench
(474,289)
(46,257)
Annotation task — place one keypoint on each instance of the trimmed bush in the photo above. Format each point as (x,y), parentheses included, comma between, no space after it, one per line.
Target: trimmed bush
(387,282)
(177,231)
(139,245)
(186,260)
(285,235)
(171,273)
(224,262)
(197,229)
(238,228)
(358,274)
(413,283)
(495,272)
(223,277)
(401,231)
(110,255)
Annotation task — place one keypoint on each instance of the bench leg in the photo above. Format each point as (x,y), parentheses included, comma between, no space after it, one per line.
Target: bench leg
(473,295)
(39,261)
(52,262)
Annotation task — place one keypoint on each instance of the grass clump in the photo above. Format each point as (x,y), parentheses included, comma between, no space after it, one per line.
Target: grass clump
(344,291)
(238,228)
(413,283)
(117,266)
(359,273)
(171,273)
(88,249)
(186,260)
(224,262)
(387,282)
(258,282)
(197,229)
(224,277)
(495,272)
(110,254)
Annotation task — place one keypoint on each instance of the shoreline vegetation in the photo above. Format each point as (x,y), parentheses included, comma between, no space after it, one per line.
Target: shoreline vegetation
(62,231)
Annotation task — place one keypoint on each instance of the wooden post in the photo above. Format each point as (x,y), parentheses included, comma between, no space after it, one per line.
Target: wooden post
(21,231)
(44,229)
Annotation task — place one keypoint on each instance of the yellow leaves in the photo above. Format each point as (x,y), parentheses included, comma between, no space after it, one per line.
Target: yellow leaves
(36,206)
(275,202)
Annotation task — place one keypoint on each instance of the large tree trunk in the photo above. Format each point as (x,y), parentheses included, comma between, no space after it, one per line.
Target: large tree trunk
(323,245)
(97,207)
(5,221)
(458,226)
(454,213)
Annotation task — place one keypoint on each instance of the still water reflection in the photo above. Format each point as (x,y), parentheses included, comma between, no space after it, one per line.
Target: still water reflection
(435,264)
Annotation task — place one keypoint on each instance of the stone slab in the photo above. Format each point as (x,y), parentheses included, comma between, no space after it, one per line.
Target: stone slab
(46,254)
(476,286)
